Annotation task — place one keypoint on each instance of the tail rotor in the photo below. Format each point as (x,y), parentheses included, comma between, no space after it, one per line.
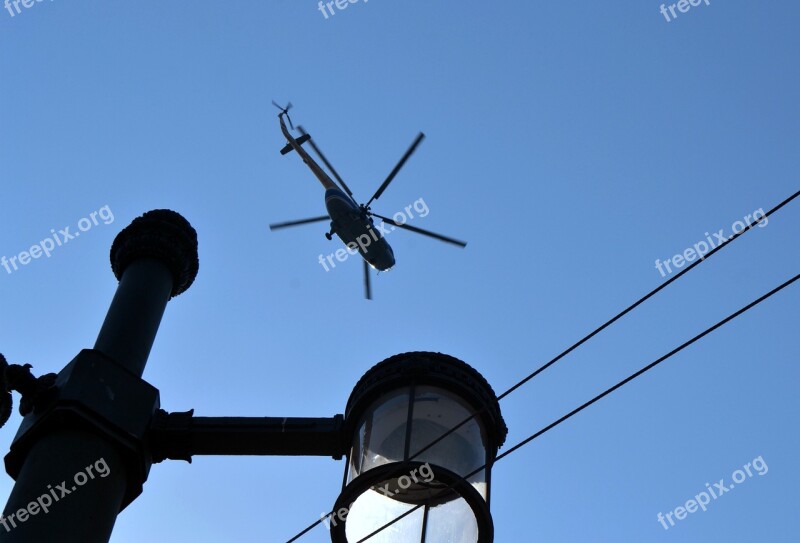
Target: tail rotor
(284,111)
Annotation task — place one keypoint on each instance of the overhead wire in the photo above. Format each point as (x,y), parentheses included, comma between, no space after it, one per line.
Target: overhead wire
(583,340)
(600,396)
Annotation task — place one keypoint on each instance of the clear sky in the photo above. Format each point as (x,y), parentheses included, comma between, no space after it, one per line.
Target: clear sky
(572,144)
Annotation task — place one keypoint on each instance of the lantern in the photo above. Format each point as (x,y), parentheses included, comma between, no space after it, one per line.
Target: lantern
(400,469)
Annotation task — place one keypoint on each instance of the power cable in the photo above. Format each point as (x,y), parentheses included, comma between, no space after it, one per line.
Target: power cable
(583,340)
(600,396)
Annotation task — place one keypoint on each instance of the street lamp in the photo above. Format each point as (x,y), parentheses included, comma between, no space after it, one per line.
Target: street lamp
(401,470)
(414,450)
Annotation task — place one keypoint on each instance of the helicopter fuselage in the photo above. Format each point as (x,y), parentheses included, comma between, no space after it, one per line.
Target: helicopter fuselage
(357,230)
(348,221)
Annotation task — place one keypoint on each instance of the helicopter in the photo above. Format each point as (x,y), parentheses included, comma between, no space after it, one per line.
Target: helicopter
(351,222)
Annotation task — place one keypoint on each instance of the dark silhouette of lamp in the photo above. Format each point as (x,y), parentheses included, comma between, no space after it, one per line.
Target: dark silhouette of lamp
(399,465)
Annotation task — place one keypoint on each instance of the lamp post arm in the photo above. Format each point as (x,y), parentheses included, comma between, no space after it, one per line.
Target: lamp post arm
(181,435)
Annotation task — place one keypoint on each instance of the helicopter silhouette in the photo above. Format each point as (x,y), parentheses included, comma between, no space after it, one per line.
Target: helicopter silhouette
(351,222)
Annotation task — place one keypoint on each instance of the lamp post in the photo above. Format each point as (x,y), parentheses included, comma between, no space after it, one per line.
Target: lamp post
(98,413)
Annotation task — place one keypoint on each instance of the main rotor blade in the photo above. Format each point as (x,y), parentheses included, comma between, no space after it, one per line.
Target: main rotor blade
(325,161)
(423,232)
(396,169)
(279,225)
(367,289)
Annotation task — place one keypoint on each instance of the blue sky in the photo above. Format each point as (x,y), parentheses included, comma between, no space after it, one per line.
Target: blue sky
(570,143)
